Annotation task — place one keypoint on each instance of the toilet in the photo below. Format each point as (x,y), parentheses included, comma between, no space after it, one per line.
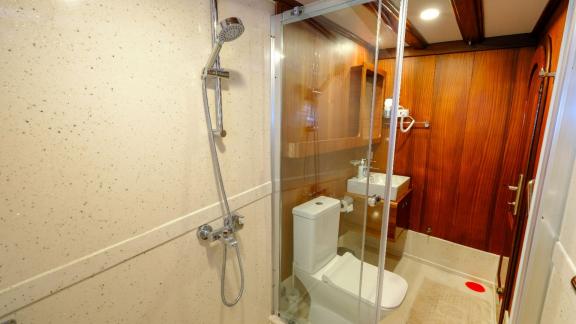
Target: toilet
(331,280)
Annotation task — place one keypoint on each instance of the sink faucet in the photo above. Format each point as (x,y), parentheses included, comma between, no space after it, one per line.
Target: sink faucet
(362,168)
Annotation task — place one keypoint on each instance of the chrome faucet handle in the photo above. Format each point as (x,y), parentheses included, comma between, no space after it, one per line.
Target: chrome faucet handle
(358,162)
(237,222)
(204,232)
(234,223)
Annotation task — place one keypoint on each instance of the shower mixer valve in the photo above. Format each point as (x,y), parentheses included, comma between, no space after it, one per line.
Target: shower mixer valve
(225,233)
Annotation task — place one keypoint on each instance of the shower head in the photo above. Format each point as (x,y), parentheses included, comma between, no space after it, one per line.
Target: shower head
(231,28)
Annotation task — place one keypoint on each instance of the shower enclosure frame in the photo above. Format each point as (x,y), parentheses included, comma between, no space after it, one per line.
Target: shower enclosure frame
(535,247)
(277,22)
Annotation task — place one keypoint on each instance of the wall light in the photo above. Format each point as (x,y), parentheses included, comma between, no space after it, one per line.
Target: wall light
(429,14)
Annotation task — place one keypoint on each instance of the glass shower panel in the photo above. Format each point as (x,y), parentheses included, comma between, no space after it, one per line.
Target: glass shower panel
(327,122)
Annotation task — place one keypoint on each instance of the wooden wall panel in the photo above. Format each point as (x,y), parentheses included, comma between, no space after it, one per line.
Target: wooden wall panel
(488,105)
(420,75)
(516,130)
(553,34)
(452,80)
(455,164)
(411,147)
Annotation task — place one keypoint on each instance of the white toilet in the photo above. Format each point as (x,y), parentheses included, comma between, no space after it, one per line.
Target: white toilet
(332,280)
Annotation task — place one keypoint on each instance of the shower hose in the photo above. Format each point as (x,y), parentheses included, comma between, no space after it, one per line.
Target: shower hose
(218,174)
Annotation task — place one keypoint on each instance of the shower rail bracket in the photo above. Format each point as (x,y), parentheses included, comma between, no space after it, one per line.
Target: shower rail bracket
(217,73)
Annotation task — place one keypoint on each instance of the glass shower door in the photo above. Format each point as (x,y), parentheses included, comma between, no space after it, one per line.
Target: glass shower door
(325,122)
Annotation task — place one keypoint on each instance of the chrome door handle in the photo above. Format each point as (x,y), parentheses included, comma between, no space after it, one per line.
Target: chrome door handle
(518,189)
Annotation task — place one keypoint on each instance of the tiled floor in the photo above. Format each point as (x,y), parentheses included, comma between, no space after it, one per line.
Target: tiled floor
(435,296)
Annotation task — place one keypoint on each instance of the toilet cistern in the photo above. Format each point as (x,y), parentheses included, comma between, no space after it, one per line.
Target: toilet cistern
(362,168)
(333,281)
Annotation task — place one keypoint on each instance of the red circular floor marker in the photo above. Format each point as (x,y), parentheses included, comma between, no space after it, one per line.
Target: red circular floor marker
(475,286)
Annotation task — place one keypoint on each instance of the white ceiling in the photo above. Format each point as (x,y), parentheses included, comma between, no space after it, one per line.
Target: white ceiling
(442,29)
(501,17)
(509,17)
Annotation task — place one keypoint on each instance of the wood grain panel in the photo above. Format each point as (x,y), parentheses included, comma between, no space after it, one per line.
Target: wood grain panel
(412,147)
(551,40)
(459,46)
(451,81)
(418,74)
(470,17)
(553,35)
(381,150)
(488,107)
(455,165)
(517,127)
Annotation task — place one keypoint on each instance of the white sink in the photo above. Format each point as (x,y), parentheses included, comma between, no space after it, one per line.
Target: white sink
(400,184)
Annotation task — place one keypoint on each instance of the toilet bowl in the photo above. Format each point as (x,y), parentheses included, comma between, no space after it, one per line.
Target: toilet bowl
(332,281)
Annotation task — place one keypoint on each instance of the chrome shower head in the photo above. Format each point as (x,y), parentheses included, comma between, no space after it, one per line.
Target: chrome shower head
(231,28)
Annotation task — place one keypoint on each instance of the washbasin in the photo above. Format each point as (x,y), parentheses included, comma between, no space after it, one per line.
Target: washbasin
(400,184)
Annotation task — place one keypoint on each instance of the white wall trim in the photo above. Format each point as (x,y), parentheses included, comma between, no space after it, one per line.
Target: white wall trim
(23,293)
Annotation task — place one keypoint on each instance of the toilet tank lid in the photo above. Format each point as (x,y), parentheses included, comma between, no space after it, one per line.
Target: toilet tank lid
(315,207)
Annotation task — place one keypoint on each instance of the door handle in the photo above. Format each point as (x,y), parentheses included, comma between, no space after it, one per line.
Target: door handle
(530,189)
(518,189)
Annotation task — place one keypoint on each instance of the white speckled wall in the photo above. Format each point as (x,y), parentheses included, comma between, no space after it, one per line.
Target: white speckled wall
(560,303)
(105,167)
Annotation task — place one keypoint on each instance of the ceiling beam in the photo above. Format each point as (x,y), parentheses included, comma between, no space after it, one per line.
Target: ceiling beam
(491,43)
(547,16)
(390,16)
(470,17)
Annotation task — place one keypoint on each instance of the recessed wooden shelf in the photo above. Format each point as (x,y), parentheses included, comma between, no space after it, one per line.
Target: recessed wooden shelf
(355,119)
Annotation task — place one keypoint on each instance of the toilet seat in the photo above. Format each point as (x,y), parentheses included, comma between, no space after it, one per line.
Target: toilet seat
(342,273)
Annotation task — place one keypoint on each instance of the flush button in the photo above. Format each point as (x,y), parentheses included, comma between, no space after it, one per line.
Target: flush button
(319,203)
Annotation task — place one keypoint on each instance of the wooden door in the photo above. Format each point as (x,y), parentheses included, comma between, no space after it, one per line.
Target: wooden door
(520,164)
